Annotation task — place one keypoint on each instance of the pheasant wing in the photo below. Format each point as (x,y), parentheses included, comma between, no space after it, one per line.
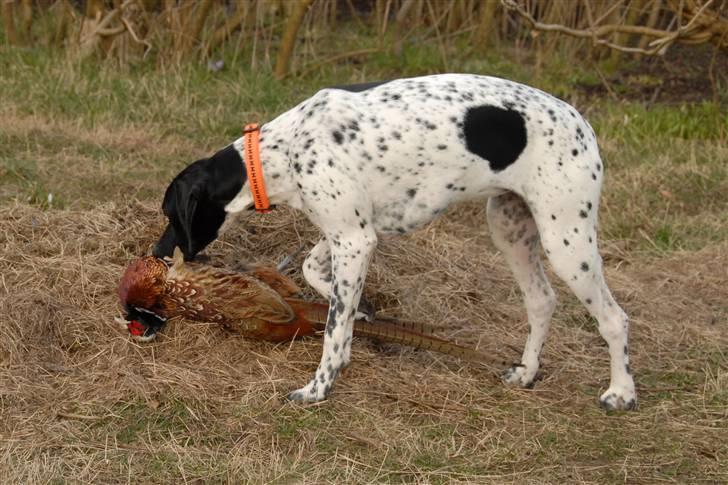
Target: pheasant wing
(235,297)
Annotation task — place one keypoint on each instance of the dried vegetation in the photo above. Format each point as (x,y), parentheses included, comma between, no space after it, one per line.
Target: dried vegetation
(81,402)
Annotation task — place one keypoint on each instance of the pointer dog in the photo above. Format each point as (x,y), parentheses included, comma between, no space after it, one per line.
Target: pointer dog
(389,157)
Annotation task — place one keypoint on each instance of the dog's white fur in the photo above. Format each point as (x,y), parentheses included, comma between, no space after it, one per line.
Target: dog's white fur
(392,157)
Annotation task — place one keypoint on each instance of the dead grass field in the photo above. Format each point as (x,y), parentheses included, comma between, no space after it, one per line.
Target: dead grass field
(81,402)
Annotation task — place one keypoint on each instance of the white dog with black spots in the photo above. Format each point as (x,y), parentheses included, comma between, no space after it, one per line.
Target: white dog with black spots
(389,157)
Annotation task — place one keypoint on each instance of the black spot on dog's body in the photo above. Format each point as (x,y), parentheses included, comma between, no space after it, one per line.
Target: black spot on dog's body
(338,137)
(498,135)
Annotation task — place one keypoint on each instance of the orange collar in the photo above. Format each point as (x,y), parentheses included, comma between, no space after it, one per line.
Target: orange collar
(254,168)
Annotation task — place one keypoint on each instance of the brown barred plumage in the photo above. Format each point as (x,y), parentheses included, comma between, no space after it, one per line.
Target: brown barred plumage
(259,303)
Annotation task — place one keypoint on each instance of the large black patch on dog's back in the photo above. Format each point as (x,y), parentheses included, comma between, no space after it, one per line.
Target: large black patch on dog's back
(358,88)
(495,134)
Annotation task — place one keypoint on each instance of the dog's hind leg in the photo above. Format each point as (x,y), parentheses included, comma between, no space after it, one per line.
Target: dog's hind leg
(567,224)
(515,234)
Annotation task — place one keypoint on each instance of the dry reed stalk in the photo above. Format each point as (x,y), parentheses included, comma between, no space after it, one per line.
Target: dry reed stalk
(651,22)
(7,11)
(195,24)
(486,25)
(288,40)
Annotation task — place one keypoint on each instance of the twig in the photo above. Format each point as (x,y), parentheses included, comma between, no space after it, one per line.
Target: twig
(711,73)
(606,84)
(79,417)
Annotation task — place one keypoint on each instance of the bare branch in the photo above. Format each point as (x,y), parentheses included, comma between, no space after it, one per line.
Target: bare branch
(700,28)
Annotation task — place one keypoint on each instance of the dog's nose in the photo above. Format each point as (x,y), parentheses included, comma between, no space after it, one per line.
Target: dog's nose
(156,251)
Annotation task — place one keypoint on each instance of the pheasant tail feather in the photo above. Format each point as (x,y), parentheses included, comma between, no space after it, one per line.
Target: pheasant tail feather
(393,331)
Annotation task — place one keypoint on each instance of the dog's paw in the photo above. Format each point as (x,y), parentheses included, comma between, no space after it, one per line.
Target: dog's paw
(314,391)
(619,399)
(519,375)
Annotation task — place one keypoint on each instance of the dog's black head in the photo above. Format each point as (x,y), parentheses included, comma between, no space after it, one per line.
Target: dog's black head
(195,202)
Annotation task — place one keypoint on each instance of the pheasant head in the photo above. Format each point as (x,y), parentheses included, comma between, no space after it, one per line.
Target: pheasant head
(141,293)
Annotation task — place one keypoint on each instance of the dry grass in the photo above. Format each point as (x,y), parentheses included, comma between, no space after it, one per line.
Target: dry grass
(81,402)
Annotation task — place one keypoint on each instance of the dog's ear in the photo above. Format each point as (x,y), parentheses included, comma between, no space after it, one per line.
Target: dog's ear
(187,198)
(195,203)
(202,218)
(195,216)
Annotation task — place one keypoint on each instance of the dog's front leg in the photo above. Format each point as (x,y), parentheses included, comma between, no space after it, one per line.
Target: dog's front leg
(350,255)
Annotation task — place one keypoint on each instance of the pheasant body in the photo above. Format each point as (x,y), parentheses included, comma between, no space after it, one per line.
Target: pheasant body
(259,303)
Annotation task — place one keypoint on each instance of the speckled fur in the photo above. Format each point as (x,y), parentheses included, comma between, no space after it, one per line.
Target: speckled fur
(391,157)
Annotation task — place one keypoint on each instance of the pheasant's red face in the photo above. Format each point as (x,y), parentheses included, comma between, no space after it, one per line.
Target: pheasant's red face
(136,328)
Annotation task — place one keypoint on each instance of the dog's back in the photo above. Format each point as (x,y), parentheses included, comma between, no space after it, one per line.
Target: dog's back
(427,142)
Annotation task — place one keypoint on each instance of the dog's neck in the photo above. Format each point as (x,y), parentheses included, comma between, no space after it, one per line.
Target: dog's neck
(279,185)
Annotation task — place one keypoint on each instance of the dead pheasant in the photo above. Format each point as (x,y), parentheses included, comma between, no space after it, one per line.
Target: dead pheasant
(259,303)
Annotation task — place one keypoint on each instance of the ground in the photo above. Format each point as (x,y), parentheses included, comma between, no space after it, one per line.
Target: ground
(85,154)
